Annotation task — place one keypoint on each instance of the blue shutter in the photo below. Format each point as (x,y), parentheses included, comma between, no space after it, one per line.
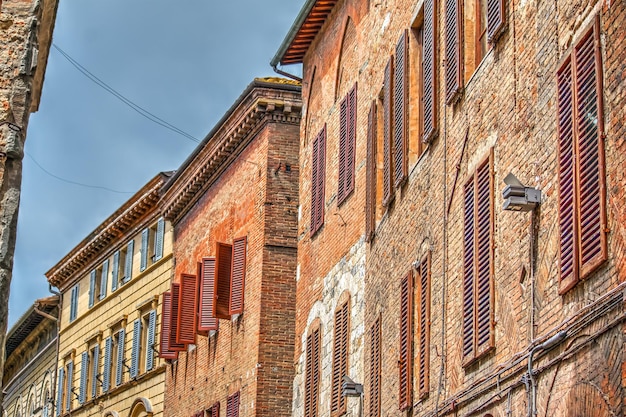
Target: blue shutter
(128,266)
(92,287)
(59,405)
(73,304)
(120,357)
(158,242)
(104,279)
(116,270)
(108,351)
(84,368)
(95,371)
(70,385)
(44,410)
(150,340)
(144,249)
(134,357)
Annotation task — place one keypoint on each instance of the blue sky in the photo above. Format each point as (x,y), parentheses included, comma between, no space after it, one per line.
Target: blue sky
(186,62)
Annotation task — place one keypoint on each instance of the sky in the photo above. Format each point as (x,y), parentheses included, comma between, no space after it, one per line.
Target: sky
(185,62)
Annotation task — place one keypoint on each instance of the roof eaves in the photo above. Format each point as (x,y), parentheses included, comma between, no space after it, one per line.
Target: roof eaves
(293,31)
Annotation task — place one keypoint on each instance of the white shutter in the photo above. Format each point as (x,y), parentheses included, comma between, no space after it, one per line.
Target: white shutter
(119,371)
(145,235)
(95,371)
(92,287)
(104,279)
(84,368)
(150,340)
(116,270)
(108,351)
(158,242)
(128,266)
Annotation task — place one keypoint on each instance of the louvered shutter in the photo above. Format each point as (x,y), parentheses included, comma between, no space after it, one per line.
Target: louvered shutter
(84,371)
(314,179)
(232,405)
(312,376)
(388,190)
(340,359)
(128,265)
(208,293)
(453,51)
(166,328)
(145,236)
(429,71)
(238,275)
(121,357)
(70,385)
(318,179)
(150,340)
(45,409)
(400,110)
(496,19)
(104,279)
(187,308)
(375,368)
(174,345)
(424,327)
(158,240)
(370,176)
(115,272)
(214,411)
(95,371)
(351,144)
(343,145)
(60,383)
(134,354)
(108,353)
(406,342)
(92,287)
(223,262)
(468,271)
(74,302)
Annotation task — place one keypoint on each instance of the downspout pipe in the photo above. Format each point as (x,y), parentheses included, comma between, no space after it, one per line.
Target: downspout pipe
(53,394)
(548,344)
(286,74)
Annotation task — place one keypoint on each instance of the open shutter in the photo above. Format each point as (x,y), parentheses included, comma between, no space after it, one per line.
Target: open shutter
(429,71)
(318,179)
(108,353)
(166,328)
(187,308)
(150,340)
(314,179)
(238,275)
(232,405)
(92,287)
(174,345)
(128,265)
(59,403)
(312,373)
(158,240)
(400,110)
(121,357)
(115,272)
(84,371)
(70,385)
(223,262)
(95,368)
(74,302)
(145,236)
(453,51)
(375,368)
(406,342)
(208,293)
(104,279)
(468,271)
(214,410)
(496,19)
(424,327)
(370,176)
(343,145)
(134,354)
(351,144)
(388,190)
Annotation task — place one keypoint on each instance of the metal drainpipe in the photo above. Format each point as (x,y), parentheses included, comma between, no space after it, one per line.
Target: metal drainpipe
(53,395)
(548,344)
(286,74)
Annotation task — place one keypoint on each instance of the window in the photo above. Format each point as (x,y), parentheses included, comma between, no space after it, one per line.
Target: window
(582,189)
(74,302)
(478,224)
(214,410)
(232,405)
(347,145)
(340,358)
(375,367)
(405,361)
(318,179)
(423,326)
(152,244)
(312,376)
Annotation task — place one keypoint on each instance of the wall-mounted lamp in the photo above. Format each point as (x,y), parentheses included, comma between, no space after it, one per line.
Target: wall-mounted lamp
(349,388)
(518,197)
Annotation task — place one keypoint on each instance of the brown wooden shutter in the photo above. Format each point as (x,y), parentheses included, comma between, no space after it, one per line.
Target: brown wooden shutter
(208,293)
(340,359)
(238,275)
(406,342)
(400,110)
(468,271)
(375,368)
(311,389)
(166,326)
(174,344)
(187,308)
(388,190)
(351,144)
(214,410)
(318,180)
(343,145)
(232,405)
(429,71)
(424,327)
(223,262)
(453,51)
(314,183)
(370,188)
(496,19)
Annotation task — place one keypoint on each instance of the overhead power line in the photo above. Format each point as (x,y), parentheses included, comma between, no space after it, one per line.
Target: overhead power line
(145,113)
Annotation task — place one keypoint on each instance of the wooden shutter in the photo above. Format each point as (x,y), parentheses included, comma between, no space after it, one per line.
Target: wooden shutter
(496,19)
(388,190)
(128,265)
(84,371)
(351,144)
(166,328)
(232,405)
(312,376)
(214,410)
(121,357)
(74,302)
(115,272)
(108,353)
(92,287)
(318,179)
(223,269)
(145,236)
(158,240)
(343,145)
(340,359)
(429,71)
(400,110)
(95,368)
(238,276)
(375,368)
(187,309)
(70,386)
(208,293)
(453,50)
(468,271)
(423,321)
(59,404)
(405,360)
(174,344)
(136,347)
(370,188)
(150,340)
(104,279)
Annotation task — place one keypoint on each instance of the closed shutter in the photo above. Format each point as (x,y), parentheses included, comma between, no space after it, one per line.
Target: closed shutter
(45,409)
(400,110)
(370,187)
(145,236)
(150,340)
(70,386)
(351,145)
(208,293)
(84,371)
(104,279)
(424,327)
(60,383)
(92,287)
(95,371)
(232,405)
(187,309)
(388,190)
(429,71)
(74,302)
(238,276)
(340,359)
(158,240)
(223,268)
(214,410)
(311,389)
(128,265)
(115,272)
(318,179)
(375,368)
(453,51)
(495,19)
(121,357)
(468,271)
(406,342)
(343,145)
(134,354)
(166,328)
(108,353)
(174,345)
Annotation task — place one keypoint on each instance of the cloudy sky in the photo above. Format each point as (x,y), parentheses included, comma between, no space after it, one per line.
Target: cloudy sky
(185,62)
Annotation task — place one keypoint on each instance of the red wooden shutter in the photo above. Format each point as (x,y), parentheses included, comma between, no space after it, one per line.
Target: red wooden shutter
(453,51)
(223,266)
(187,308)
(318,180)
(311,389)
(174,344)
(166,325)
(214,411)
(351,144)
(496,19)
(375,360)
(429,71)
(208,293)
(406,342)
(400,110)
(370,188)
(340,359)
(314,181)
(468,271)
(424,327)
(238,275)
(232,405)
(343,145)
(388,190)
